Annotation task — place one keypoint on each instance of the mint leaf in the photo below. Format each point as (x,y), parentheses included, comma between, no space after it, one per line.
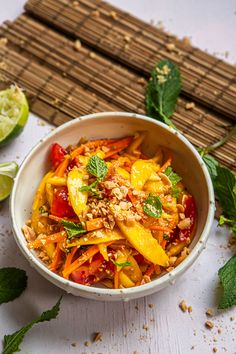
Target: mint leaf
(162,91)
(174,178)
(225,189)
(97,167)
(72,228)
(227,275)
(152,206)
(122,265)
(13,282)
(211,165)
(92,188)
(12,341)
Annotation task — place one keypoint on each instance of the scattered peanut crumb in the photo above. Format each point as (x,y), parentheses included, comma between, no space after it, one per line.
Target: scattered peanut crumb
(210,312)
(190,309)
(73,344)
(3,42)
(183,306)
(75,3)
(186,41)
(97,337)
(113,14)
(190,105)
(77,44)
(209,324)
(95,13)
(141,81)
(41,123)
(170,46)
(214,350)
(151,306)
(92,55)
(127,38)
(219,330)
(135,352)
(232,318)
(145,326)
(87,343)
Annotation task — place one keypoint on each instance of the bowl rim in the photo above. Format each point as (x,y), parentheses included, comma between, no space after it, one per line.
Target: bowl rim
(163,280)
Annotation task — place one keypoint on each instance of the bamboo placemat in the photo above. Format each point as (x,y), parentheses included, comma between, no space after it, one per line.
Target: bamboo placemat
(139,46)
(64,83)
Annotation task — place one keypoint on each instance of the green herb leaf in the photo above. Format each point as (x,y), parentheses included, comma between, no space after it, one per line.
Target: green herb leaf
(122,265)
(223,220)
(227,275)
(72,228)
(174,178)
(225,189)
(152,206)
(12,341)
(13,282)
(211,165)
(97,167)
(162,91)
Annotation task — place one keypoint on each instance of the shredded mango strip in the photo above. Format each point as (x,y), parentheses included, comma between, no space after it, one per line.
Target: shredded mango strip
(117,232)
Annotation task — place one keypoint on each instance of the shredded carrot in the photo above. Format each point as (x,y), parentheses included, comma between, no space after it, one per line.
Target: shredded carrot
(166,164)
(159,228)
(58,218)
(116,279)
(90,252)
(62,168)
(69,258)
(163,244)
(56,258)
(94,224)
(150,270)
(92,144)
(57,237)
(118,146)
(157,269)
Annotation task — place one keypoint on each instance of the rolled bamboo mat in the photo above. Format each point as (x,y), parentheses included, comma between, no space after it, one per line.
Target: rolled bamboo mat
(49,61)
(139,46)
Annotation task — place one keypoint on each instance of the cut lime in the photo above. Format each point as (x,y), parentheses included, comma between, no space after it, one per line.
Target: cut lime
(14,111)
(8,171)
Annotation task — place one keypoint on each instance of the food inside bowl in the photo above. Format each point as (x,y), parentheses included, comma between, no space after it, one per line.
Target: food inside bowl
(108,214)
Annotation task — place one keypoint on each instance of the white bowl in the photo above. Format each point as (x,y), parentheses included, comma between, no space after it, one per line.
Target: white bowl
(186,161)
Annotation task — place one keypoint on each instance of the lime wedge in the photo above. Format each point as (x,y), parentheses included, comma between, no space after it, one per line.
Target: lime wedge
(8,171)
(14,111)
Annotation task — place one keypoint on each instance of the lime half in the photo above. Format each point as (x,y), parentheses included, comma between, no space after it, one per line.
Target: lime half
(8,171)
(14,111)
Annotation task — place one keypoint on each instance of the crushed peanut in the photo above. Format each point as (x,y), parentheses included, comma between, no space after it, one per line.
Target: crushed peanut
(97,337)
(113,14)
(190,105)
(95,13)
(183,306)
(210,312)
(170,46)
(77,44)
(209,324)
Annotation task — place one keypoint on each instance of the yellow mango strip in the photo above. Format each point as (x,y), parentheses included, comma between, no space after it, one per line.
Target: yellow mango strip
(103,250)
(57,181)
(156,187)
(136,143)
(43,241)
(49,249)
(141,171)
(125,281)
(123,173)
(133,271)
(143,241)
(77,199)
(49,193)
(96,237)
(89,253)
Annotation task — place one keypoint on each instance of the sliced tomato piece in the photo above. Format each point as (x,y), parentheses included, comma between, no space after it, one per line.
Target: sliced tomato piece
(57,154)
(60,204)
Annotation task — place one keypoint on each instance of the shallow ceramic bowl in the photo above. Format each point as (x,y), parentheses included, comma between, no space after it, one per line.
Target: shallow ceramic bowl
(186,161)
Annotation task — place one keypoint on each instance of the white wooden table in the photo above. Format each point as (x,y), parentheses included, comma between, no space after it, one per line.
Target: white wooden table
(212,25)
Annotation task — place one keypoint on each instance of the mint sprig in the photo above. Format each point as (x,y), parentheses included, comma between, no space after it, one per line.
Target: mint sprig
(152,206)
(121,265)
(227,275)
(11,342)
(97,167)
(174,178)
(72,228)
(13,282)
(162,91)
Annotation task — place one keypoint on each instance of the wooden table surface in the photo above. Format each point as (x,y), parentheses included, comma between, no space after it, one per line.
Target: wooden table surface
(154,324)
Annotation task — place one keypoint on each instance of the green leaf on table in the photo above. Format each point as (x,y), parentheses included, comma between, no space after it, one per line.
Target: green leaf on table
(13,282)
(152,206)
(163,91)
(72,228)
(227,275)
(97,167)
(225,190)
(12,341)
(211,165)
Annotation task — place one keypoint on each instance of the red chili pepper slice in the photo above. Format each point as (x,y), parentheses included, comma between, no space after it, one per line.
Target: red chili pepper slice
(57,154)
